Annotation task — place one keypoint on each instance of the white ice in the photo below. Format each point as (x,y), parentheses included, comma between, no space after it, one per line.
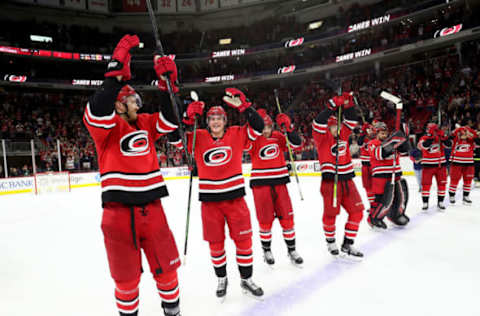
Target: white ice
(53,261)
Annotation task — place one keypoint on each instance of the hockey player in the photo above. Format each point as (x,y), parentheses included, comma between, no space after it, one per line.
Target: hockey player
(268,181)
(325,135)
(218,155)
(366,136)
(132,185)
(464,143)
(433,162)
(390,198)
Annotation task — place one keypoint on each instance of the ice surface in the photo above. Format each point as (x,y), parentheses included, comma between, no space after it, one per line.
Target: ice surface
(53,261)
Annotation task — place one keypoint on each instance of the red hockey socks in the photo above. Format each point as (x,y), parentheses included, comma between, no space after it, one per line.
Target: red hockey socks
(167,285)
(219,259)
(329,227)
(245,257)
(266,235)
(126,295)
(288,233)
(351,227)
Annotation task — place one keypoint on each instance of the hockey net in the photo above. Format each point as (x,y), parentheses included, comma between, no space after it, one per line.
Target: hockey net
(50,182)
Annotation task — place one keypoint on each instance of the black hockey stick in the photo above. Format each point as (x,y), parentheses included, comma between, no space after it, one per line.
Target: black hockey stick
(339,126)
(176,110)
(292,161)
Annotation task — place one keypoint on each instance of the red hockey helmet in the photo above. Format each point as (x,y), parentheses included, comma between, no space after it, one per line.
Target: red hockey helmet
(366,127)
(266,118)
(126,92)
(332,121)
(432,128)
(217,110)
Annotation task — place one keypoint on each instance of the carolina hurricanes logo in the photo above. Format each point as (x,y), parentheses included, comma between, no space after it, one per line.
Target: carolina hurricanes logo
(270,151)
(448,30)
(217,156)
(462,148)
(435,148)
(295,42)
(342,145)
(286,69)
(135,144)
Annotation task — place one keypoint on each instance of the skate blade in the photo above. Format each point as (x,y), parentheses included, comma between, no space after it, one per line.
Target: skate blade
(376,229)
(297,265)
(222,299)
(466,204)
(441,210)
(348,258)
(249,294)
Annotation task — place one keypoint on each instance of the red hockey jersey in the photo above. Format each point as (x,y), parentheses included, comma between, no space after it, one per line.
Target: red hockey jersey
(327,146)
(382,167)
(268,160)
(129,170)
(433,155)
(462,149)
(364,152)
(219,162)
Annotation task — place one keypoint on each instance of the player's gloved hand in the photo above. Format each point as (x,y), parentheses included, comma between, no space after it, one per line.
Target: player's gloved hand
(165,68)
(428,142)
(335,102)
(397,139)
(236,99)
(120,63)
(284,121)
(193,109)
(348,101)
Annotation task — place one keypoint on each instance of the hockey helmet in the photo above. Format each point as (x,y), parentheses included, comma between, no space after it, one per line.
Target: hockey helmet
(217,110)
(266,118)
(380,126)
(431,128)
(127,91)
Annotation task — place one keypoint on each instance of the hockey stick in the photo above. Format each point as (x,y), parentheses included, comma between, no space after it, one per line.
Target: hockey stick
(194,97)
(159,46)
(292,161)
(359,108)
(399,106)
(339,120)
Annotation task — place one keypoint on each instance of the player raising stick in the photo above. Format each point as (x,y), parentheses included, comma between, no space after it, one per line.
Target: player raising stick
(464,143)
(325,132)
(366,136)
(390,198)
(268,182)
(434,163)
(132,185)
(218,154)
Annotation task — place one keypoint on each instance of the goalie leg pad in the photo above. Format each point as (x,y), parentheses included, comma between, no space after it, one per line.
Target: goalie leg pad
(383,202)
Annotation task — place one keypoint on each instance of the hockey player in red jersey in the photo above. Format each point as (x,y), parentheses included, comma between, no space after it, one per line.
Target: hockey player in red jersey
(433,162)
(325,134)
(132,185)
(269,178)
(391,197)
(218,155)
(366,136)
(464,143)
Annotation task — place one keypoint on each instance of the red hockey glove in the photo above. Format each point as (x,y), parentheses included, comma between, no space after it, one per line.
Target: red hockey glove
(441,134)
(194,109)
(284,121)
(236,99)
(348,100)
(120,63)
(165,68)
(335,102)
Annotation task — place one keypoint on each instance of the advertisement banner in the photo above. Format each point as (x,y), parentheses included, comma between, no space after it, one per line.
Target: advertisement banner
(167,6)
(134,6)
(76,4)
(206,5)
(17,185)
(228,3)
(98,5)
(186,5)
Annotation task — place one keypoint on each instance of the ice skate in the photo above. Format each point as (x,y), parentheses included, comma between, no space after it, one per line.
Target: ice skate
(295,258)
(452,199)
(222,289)
(376,224)
(268,257)
(466,200)
(172,311)
(441,206)
(332,247)
(425,206)
(348,251)
(251,289)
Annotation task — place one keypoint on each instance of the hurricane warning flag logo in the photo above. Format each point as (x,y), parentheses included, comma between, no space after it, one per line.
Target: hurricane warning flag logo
(217,156)
(135,144)
(270,151)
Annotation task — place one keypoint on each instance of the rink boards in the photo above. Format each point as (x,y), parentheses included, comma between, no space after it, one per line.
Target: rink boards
(81,180)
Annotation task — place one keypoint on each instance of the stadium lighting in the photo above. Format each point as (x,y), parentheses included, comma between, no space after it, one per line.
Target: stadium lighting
(141,45)
(315,25)
(225,41)
(40,38)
